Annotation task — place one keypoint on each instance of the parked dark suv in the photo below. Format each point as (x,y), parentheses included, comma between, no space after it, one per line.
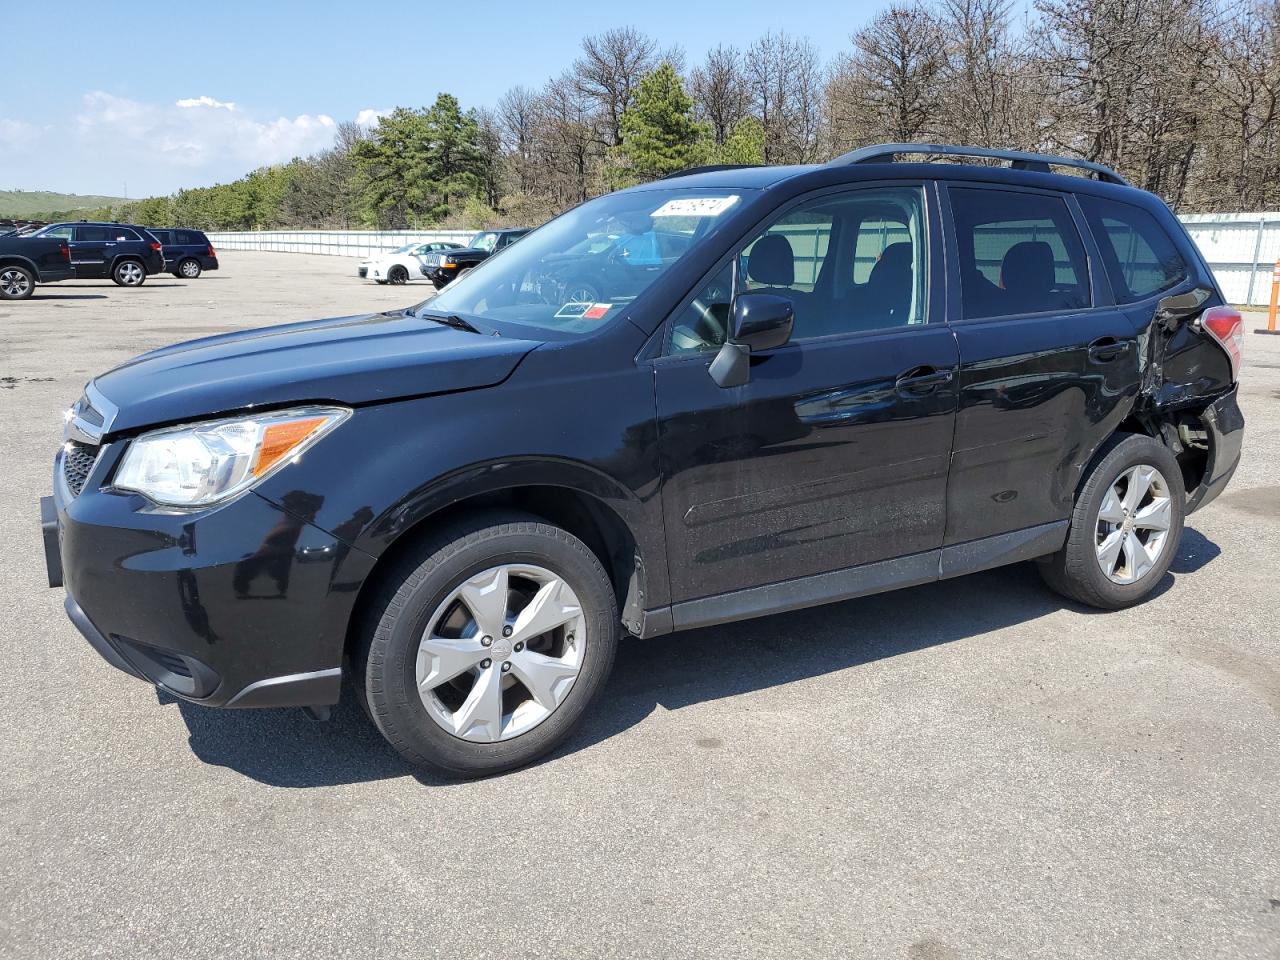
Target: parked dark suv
(126,253)
(187,253)
(852,377)
(442,268)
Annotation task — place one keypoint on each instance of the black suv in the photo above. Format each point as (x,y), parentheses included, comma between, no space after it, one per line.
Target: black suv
(187,253)
(442,268)
(851,378)
(126,253)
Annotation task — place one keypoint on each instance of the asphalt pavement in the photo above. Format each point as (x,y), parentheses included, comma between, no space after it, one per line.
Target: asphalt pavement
(972,769)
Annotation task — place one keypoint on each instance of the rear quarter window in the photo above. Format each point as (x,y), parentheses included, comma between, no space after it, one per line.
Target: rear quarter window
(191,236)
(1140,257)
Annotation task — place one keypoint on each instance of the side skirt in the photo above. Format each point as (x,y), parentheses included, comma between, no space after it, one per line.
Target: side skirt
(859,581)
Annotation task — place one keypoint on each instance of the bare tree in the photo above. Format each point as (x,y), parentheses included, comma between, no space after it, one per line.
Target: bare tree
(567,141)
(517,116)
(987,94)
(784,81)
(888,87)
(609,71)
(719,91)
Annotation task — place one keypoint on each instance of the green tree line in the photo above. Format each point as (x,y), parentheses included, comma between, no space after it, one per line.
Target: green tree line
(1181,96)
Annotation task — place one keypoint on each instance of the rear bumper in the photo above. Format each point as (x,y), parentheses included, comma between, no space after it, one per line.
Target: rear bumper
(1224,424)
(245,605)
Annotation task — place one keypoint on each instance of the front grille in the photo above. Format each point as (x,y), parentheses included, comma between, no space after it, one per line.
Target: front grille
(77,461)
(431,260)
(172,662)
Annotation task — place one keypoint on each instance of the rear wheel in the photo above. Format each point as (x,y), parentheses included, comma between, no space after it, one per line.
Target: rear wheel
(189,269)
(487,643)
(129,273)
(1125,527)
(398,274)
(16,283)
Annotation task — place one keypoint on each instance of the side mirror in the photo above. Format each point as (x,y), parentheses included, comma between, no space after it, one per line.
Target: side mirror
(759,321)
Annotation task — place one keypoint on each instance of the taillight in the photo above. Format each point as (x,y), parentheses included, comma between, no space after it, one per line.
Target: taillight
(65,250)
(155,247)
(211,253)
(1227,327)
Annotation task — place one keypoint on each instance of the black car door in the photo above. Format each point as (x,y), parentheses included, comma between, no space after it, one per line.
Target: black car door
(835,453)
(89,250)
(1048,363)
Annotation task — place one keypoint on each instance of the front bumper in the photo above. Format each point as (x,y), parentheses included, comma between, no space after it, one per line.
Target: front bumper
(1224,424)
(363,270)
(241,605)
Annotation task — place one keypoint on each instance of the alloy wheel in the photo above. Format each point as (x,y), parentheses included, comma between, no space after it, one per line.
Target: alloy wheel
(190,269)
(14,283)
(130,274)
(1133,524)
(501,653)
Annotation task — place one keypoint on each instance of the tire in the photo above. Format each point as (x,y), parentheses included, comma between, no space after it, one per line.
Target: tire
(398,274)
(16,282)
(436,589)
(1085,569)
(129,273)
(189,269)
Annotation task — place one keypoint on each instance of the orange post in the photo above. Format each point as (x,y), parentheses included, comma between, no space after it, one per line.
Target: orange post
(1275,299)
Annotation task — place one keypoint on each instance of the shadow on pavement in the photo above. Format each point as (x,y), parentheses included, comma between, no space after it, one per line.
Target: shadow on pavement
(68,296)
(284,748)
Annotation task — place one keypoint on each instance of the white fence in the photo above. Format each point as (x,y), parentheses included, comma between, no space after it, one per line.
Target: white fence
(337,243)
(1241,248)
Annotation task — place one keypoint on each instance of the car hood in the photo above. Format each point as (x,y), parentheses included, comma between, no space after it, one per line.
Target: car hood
(351,360)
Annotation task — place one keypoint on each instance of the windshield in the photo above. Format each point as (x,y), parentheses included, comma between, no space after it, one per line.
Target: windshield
(484,241)
(576,272)
(405,249)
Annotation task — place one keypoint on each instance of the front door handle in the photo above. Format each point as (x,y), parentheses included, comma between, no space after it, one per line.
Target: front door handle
(1106,349)
(921,380)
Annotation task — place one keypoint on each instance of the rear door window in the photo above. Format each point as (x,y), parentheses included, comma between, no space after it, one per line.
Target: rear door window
(1020,253)
(88,234)
(1140,256)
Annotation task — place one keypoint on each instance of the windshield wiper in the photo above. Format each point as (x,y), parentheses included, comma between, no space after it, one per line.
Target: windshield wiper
(450,320)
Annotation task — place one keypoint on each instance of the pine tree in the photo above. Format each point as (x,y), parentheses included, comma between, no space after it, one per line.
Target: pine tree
(659,133)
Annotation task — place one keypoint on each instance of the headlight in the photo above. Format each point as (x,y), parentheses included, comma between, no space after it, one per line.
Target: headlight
(446,261)
(207,462)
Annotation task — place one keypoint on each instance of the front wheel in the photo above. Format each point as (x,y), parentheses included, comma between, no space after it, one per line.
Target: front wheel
(16,283)
(129,273)
(487,643)
(1125,528)
(398,274)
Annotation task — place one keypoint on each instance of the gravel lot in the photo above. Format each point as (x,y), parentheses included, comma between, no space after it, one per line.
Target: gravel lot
(973,769)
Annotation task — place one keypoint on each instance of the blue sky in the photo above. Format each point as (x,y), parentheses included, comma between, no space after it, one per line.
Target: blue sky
(162,100)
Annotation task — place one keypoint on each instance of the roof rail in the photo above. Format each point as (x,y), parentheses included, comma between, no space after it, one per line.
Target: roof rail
(1018,160)
(709,168)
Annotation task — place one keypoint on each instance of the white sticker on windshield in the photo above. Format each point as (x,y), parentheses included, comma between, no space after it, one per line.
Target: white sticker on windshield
(695,207)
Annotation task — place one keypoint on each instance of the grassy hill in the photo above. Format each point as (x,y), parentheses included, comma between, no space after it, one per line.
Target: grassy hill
(29,203)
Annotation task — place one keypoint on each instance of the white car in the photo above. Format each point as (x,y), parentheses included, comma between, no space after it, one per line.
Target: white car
(401,265)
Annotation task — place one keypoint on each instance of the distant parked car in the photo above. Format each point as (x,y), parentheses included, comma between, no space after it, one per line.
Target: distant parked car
(26,261)
(126,253)
(441,268)
(404,263)
(187,253)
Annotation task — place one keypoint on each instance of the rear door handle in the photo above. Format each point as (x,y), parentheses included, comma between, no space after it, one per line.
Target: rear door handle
(1106,349)
(921,380)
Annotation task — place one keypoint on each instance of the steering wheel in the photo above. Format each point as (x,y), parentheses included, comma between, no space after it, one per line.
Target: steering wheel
(706,330)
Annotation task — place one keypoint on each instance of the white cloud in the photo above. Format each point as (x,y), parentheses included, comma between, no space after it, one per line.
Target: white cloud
(369,118)
(155,147)
(206,102)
